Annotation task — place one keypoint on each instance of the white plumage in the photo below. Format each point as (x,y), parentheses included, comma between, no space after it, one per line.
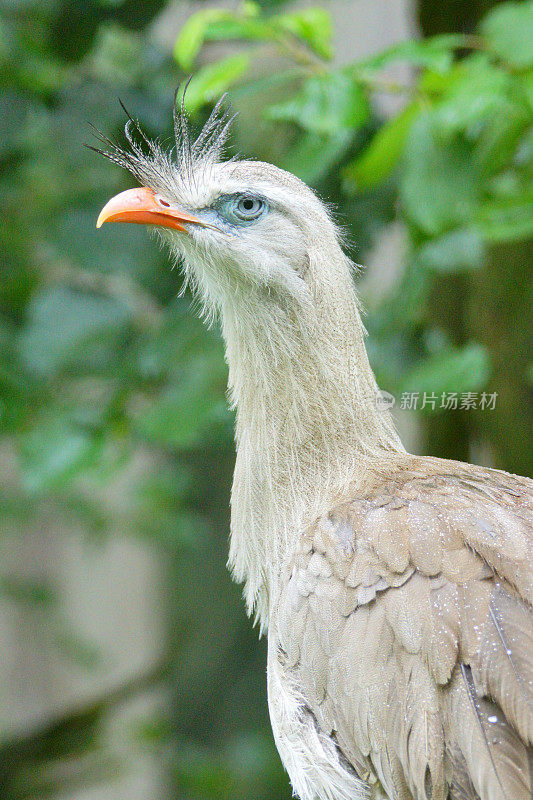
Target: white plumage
(396,589)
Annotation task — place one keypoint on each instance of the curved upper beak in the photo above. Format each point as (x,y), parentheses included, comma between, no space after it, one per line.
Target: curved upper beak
(141,205)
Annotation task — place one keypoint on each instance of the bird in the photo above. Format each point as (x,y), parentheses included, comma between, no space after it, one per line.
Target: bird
(395,590)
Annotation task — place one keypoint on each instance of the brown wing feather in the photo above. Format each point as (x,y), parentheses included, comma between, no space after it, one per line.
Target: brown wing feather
(406,619)
(497,761)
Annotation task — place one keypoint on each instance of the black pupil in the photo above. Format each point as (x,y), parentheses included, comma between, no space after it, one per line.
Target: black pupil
(248,204)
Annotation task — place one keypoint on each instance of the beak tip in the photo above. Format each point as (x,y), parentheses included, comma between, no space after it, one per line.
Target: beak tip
(139,205)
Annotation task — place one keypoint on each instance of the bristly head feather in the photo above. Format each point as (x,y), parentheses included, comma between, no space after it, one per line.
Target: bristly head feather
(160,169)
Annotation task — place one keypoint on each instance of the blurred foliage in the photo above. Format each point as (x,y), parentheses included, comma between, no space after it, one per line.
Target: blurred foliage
(107,380)
(455,166)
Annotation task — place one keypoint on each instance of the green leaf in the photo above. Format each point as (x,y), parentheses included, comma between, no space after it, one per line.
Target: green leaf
(475,91)
(526,82)
(238,28)
(191,37)
(193,34)
(464,369)
(508,30)
(311,25)
(314,153)
(212,80)
(454,252)
(384,151)
(441,181)
(501,138)
(326,104)
(217,24)
(506,219)
(435,53)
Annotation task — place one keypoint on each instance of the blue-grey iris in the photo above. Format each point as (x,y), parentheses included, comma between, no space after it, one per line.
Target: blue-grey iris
(245,208)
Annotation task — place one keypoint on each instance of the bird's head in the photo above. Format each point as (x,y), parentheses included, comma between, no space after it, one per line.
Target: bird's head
(238,226)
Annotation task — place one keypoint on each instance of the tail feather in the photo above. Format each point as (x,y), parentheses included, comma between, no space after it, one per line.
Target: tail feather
(461,787)
(497,761)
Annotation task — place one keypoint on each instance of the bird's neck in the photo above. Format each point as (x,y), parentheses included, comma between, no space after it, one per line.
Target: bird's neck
(307,422)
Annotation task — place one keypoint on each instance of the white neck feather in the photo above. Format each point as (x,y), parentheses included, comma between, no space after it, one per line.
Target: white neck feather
(307,423)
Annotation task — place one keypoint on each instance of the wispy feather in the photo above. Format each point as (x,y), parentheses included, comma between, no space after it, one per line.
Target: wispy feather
(161,169)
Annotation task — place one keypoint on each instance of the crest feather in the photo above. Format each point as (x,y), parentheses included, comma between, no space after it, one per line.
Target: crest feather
(161,169)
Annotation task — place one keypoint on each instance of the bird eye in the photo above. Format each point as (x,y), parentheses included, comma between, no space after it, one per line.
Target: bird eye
(248,207)
(245,207)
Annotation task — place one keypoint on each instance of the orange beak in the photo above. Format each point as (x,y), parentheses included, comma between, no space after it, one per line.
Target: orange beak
(142,206)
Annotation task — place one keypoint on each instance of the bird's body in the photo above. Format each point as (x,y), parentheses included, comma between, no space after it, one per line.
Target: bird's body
(402,635)
(397,590)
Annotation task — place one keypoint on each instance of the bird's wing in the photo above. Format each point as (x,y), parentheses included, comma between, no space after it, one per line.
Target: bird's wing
(406,619)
